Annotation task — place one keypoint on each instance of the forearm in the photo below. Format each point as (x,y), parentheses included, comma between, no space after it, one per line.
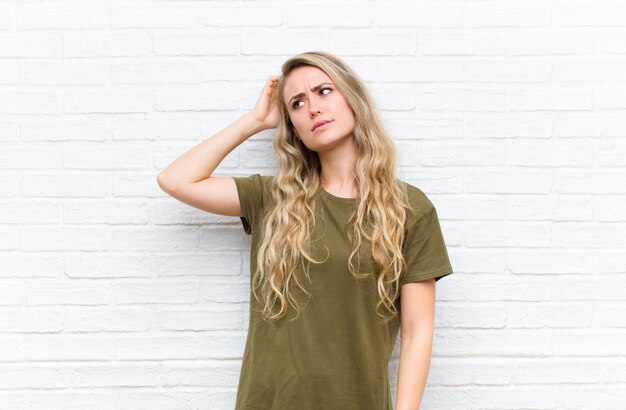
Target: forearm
(413,372)
(200,161)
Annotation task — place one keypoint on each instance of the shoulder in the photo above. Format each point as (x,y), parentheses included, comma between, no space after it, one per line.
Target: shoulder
(257,179)
(266,181)
(421,205)
(254,186)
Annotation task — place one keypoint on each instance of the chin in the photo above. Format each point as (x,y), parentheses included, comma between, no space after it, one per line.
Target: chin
(327,142)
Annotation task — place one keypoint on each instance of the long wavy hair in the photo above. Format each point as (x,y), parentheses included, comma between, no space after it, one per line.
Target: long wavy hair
(381,204)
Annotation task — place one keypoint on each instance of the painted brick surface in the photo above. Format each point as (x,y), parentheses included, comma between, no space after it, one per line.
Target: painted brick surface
(510,115)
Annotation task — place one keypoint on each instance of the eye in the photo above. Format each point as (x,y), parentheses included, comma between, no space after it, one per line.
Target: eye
(325,88)
(293,105)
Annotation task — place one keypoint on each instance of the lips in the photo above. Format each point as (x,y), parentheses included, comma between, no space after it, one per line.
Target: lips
(317,124)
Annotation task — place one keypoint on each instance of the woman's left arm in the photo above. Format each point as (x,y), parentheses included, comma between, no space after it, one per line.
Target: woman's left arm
(417,326)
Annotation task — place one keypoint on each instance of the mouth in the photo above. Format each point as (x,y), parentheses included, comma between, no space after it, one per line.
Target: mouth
(321,125)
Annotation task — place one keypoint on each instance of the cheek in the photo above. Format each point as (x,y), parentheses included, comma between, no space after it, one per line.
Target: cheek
(300,125)
(295,120)
(346,112)
(342,105)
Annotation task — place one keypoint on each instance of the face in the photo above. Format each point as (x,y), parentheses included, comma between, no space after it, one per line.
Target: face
(323,104)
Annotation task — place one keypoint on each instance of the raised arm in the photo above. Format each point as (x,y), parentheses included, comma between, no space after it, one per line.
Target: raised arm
(188,178)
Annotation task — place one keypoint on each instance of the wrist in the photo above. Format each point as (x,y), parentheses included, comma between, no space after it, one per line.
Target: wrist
(251,124)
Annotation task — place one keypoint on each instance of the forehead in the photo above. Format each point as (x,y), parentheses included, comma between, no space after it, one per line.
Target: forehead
(305,77)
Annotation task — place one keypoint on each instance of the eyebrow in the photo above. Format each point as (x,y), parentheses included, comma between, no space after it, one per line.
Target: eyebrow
(317,87)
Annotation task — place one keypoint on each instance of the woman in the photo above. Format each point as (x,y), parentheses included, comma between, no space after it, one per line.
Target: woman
(337,239)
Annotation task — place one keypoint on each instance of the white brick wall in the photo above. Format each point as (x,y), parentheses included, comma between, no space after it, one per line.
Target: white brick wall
(510,115)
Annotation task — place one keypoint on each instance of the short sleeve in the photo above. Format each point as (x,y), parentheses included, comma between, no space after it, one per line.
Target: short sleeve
(425,249)
(250,190)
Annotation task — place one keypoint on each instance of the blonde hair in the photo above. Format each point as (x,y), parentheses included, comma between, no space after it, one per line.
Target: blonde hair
(380,214)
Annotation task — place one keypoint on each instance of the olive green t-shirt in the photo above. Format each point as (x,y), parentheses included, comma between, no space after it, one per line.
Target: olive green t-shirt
(335,356)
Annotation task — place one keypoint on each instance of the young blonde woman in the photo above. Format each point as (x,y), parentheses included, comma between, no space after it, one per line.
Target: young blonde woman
(344,255)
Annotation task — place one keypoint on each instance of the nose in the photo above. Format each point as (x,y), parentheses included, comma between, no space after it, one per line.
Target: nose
(315,108)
